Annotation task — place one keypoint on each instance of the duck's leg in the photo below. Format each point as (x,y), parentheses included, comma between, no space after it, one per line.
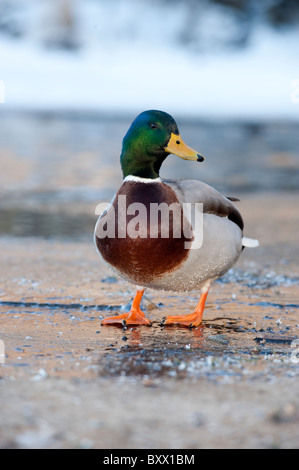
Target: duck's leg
(134,317)
(192,320)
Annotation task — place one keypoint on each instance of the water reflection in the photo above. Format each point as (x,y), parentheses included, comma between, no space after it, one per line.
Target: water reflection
(28,223)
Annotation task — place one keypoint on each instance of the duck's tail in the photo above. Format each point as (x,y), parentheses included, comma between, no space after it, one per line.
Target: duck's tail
(250,242)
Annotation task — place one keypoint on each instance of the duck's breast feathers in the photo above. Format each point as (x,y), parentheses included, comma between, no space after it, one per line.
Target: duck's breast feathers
(193,191)
(132,247)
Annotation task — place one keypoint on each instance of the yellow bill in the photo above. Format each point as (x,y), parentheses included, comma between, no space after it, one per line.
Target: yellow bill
(177,146)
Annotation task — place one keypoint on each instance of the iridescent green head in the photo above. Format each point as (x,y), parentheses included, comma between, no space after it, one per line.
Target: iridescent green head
(153,135)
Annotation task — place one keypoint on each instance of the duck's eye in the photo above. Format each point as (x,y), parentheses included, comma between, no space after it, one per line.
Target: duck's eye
(153,125)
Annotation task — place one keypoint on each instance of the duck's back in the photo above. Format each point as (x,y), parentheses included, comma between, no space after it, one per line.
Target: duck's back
(194,191)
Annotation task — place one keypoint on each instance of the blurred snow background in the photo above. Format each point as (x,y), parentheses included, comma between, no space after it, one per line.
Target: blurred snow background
(202,58)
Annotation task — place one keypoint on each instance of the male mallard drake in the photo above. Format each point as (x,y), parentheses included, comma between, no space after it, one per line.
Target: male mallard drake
(174,250)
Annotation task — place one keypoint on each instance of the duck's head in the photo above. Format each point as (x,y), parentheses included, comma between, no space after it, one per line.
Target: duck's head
(153,135)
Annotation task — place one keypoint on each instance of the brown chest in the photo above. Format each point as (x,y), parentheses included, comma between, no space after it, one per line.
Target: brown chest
(143,233)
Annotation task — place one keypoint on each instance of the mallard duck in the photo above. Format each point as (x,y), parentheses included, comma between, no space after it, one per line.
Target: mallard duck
(184,250)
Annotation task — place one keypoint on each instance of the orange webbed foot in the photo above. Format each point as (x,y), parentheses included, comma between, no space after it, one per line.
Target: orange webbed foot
(134,317)
(193,319)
